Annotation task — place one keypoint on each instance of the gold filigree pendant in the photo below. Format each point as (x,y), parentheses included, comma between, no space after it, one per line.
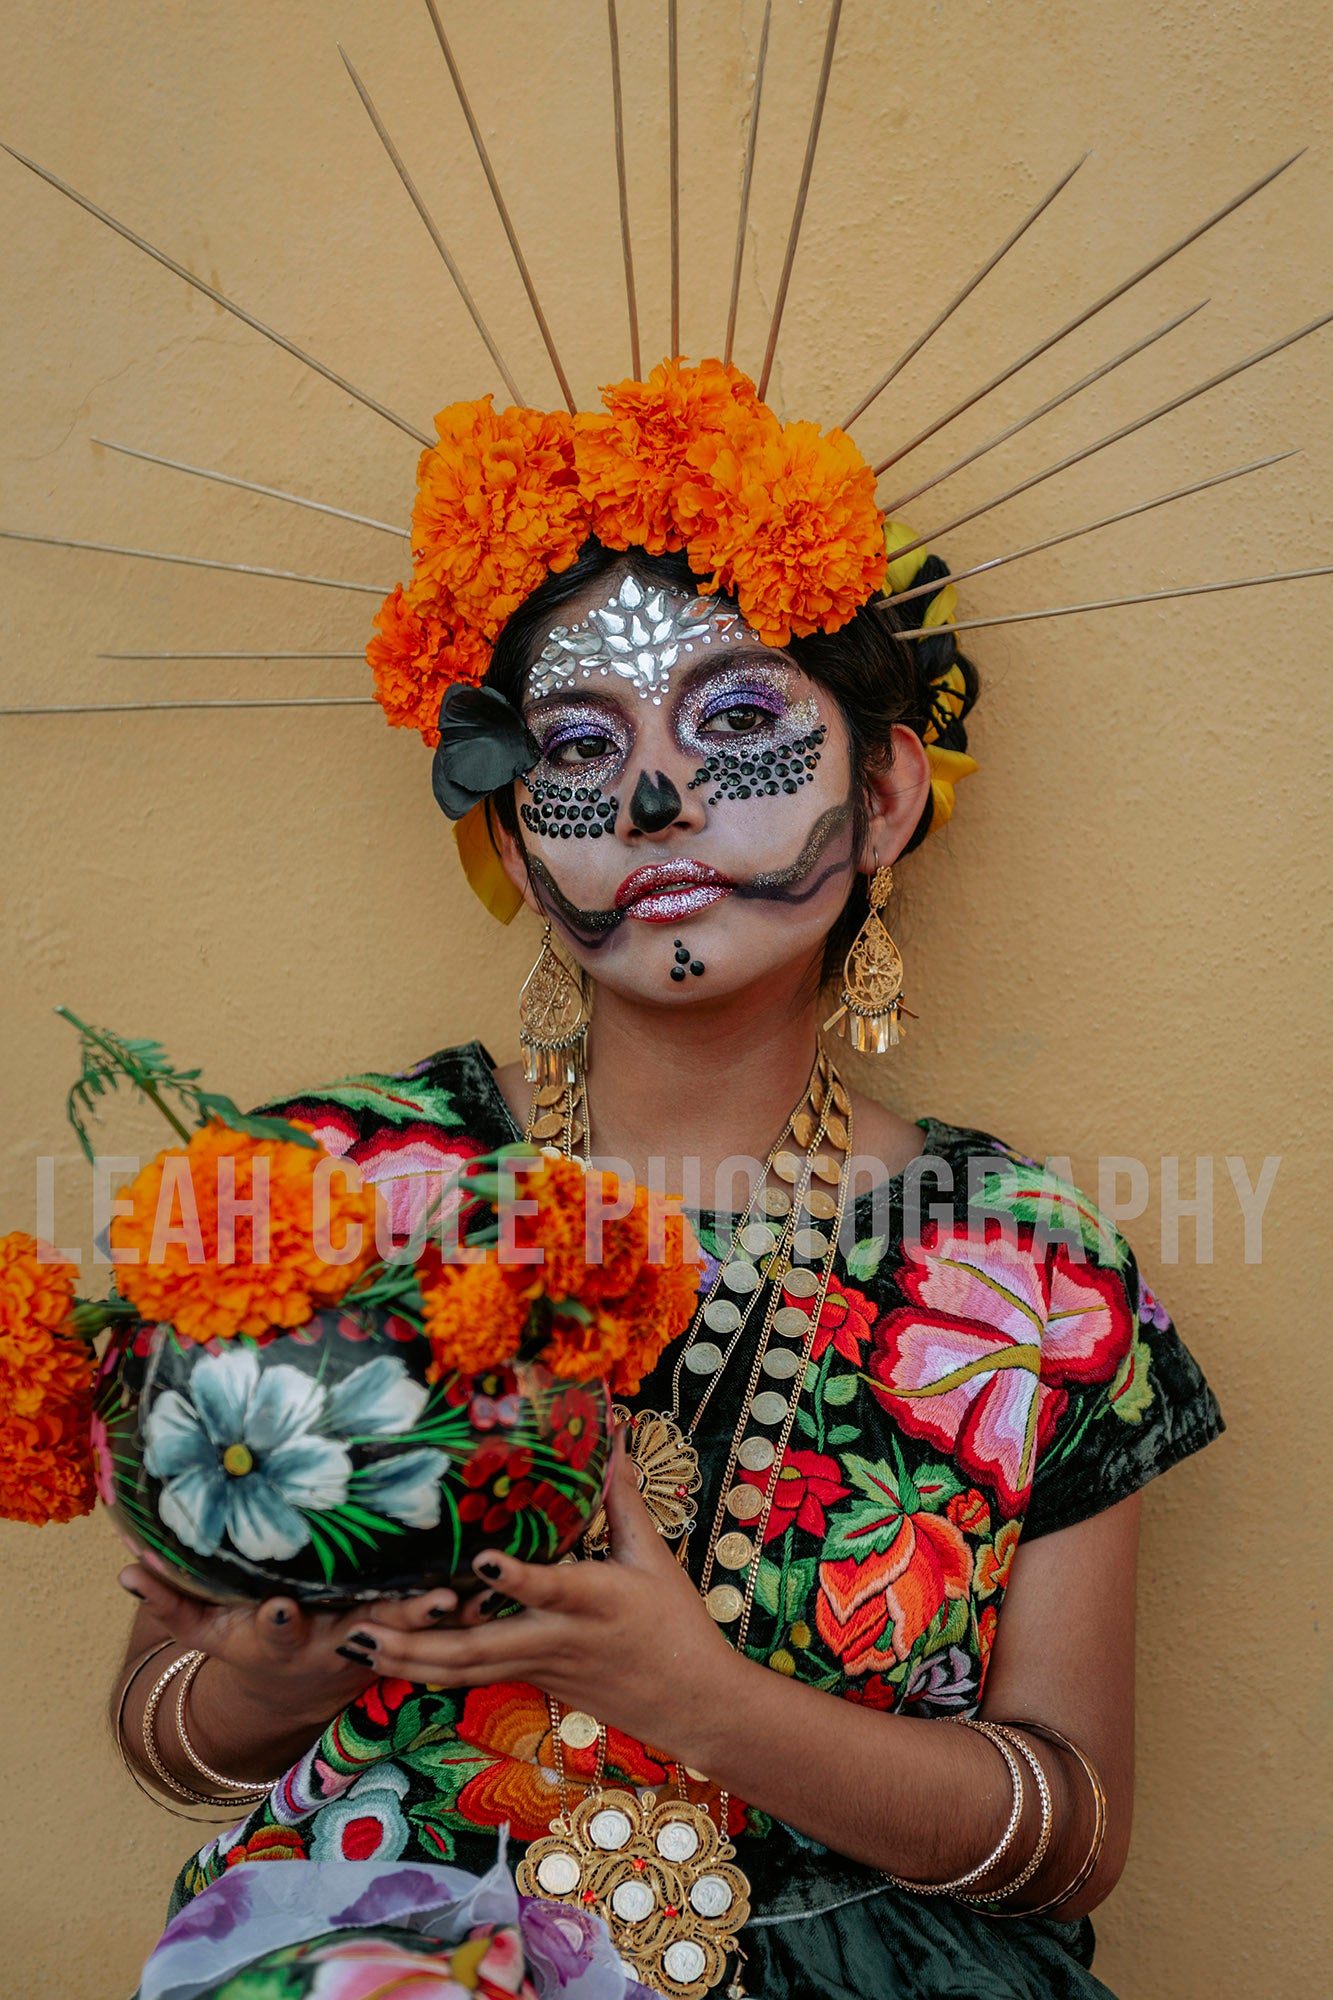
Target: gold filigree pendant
(658,1873)
(667,1467)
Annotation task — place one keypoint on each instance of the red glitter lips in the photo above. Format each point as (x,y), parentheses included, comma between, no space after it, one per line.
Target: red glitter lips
(669,890)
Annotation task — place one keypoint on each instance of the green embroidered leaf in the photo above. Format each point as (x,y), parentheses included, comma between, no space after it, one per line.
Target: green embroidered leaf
(840,1389)
(800,1583)
(954,1628)
(843,1434)
(807,1425)
(936,1485)
(1054,1207)
(1131,1393)
(767,1583)
(875,1480)
(867,1524)
(865,1257)
(393,1100)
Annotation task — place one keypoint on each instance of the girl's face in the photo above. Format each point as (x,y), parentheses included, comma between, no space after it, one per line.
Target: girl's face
(689,828)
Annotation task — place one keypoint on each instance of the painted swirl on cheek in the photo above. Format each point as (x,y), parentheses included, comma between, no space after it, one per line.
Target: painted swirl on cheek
(792,886)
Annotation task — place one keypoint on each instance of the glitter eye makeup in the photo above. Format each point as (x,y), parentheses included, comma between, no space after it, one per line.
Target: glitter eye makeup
(776,747)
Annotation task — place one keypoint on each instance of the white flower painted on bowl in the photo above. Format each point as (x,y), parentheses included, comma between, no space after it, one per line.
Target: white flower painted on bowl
(250,1450)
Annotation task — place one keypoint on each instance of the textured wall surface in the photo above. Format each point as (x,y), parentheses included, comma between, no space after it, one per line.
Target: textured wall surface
(1115,949)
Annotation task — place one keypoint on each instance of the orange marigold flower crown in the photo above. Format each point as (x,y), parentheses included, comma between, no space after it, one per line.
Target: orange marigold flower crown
(781,517)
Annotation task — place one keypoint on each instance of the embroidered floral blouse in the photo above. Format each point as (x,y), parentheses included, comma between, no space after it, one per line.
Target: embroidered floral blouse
(972,1382)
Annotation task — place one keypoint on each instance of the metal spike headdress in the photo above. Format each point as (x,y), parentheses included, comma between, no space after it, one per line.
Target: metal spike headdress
(780,517)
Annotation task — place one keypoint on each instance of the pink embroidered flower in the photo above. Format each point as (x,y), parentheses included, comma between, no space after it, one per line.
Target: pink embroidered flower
(413,1165)
(976,1361)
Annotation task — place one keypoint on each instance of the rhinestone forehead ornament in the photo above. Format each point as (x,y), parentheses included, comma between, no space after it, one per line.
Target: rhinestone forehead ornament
(638,635)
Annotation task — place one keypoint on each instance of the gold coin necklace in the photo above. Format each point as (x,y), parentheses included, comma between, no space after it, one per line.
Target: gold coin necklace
(767,1234)
(658,1870)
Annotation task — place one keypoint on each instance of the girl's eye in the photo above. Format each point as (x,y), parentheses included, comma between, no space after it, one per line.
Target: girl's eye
(738,720)
(580,750)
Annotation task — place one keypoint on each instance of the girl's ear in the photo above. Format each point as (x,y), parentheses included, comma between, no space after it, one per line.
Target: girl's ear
(899,788)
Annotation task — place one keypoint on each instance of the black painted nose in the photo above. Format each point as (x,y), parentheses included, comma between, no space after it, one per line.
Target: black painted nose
(655,804)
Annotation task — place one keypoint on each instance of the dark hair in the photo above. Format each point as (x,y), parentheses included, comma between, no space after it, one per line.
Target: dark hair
(876,679)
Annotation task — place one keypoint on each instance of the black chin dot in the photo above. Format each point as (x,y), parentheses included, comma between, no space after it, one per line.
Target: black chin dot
(678,972)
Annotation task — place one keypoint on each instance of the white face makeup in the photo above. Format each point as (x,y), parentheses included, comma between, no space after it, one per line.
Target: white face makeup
(689,826)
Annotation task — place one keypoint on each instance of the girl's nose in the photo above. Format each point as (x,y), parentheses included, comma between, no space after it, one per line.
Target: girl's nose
(659,806)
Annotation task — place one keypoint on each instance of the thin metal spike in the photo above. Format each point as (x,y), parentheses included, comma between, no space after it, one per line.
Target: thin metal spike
(218,298)
(1090,312)
(250,486)
(626,245)
(414,195)
(189,562)
(1116,603)
(798,214)
(673,125)
(960,297)
(1088,528)
(1043,409)
(218,701)
(232,656)
(744,216)
(499,200)
(1114,437)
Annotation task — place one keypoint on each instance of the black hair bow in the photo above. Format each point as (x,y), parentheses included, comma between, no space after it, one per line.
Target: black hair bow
(484,744)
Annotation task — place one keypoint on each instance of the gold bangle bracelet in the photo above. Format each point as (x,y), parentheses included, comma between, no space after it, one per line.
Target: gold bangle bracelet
(1099,1819)
(150,1749)
(249,1791)
(992,1734)
(1031,1759)
(136,1780)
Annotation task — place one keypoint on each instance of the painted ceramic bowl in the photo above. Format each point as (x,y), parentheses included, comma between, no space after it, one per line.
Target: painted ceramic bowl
(321,1464)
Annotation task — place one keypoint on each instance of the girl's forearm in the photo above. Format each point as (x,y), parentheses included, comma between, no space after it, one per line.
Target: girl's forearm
(926,1801)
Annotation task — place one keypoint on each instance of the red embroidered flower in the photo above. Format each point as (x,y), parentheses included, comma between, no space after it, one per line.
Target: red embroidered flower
(970,1512)
(873,1606)
(876,1692)
(845,1323)
(268,1843)
(381,1701)
(807,1483)
(995,1561)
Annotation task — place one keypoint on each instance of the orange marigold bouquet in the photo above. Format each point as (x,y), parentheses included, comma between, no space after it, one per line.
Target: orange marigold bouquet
(290,1398)
(576,1285)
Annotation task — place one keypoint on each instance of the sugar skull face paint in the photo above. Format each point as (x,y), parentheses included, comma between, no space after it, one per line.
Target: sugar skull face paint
(710,796)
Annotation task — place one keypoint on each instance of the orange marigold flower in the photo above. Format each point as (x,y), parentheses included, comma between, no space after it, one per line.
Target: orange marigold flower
(474,1316)
(36,1362)
(787,524)
(46,1462)
(416,654)
(174,1222)
(497,509)
(632,460)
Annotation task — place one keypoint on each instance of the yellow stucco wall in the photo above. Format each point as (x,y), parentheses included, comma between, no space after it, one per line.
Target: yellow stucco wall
(1114,949)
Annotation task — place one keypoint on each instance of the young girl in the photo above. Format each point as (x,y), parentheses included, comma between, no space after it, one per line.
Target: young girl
(920,1443)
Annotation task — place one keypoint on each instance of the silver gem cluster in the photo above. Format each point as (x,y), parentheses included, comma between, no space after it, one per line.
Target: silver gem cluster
(638,636)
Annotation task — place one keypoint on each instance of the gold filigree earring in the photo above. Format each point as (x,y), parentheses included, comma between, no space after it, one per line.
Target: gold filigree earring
(553,1021)
(872,980)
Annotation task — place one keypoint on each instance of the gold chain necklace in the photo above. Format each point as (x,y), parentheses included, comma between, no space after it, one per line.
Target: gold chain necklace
(658,1870)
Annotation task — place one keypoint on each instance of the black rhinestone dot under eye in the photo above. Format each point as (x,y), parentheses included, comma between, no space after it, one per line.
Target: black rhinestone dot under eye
(580,791)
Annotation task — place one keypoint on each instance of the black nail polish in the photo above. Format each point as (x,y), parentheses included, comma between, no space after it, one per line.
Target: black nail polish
(494,1600)
(282,1618)
(488,1570)
(437,1613)
(362,1639)
(357,1659)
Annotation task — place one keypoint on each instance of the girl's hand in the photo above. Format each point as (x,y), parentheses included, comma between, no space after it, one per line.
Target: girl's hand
(628,1639)
(280,1654)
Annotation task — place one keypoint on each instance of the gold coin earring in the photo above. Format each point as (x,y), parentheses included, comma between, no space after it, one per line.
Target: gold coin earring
(872,980)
